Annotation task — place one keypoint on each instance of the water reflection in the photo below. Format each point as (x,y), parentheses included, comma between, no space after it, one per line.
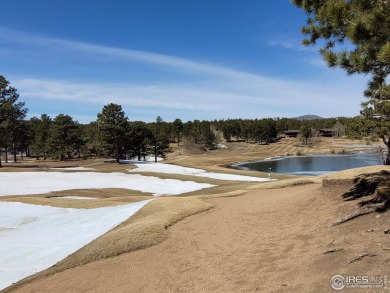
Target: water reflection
(312,164)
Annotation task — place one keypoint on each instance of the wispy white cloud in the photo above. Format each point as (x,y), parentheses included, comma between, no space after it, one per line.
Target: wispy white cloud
(208,90)
(219,101)
(182,64)
(288,43)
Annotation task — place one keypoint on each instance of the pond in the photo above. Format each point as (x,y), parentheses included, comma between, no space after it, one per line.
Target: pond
(312,164)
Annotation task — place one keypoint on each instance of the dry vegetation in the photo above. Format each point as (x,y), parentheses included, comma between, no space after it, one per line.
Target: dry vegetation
(374,185)
(252,238)
(241,151)
(101,198)
(146,228)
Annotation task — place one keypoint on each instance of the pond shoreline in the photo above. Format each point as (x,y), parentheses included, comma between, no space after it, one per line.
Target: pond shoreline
(304,164)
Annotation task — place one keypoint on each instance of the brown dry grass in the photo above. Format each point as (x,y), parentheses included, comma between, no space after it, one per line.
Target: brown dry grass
(241,151)
(144,229)
(347,176)
(262,217)
(278,241)
(102,198)
(99,165)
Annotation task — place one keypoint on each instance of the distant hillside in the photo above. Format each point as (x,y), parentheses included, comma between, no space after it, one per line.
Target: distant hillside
(308,117)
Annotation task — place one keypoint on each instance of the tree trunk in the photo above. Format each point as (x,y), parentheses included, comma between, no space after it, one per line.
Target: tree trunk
(14,150)
(155,153)
(139,152)
(116,149)
(116,152)
(6,154)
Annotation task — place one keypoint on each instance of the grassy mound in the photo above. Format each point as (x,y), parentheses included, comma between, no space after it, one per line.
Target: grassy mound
(149,225)
(348,176)
(145,228)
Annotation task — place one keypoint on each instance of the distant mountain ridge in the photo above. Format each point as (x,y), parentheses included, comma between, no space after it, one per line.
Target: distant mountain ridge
(308,117)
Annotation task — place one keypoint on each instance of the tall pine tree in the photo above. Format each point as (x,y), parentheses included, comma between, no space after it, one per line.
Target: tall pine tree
(357,39)
(113,124)
(64,136)
(12,113)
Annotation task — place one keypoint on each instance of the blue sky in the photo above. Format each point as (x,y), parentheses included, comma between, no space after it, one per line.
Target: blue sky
(187,59)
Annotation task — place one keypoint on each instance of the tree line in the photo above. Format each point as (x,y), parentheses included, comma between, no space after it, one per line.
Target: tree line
(363,25)
(113,135)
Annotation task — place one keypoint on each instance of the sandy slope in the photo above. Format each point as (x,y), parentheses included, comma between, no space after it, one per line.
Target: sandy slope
(265,240)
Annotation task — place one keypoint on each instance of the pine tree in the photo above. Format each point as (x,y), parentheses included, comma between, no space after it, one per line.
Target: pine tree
(41,132)
(12,114)
(159,139)
(113,124)
(64,135)
(139,137)
(177,129)
(357,39)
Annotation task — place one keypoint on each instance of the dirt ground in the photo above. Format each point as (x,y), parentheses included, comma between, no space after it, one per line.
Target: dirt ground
(265,240)
(253,239)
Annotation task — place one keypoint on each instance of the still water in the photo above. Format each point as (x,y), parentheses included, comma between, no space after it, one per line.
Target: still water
(312,164)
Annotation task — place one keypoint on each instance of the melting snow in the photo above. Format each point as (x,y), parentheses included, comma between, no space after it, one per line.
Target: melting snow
(174,169)
(22,183)
(34,238)
(73,168)
(74,197)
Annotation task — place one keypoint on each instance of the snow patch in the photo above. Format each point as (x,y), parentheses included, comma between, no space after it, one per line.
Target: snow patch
(74,197)
(23,183)
(34,238)
(73,168)
(179,170)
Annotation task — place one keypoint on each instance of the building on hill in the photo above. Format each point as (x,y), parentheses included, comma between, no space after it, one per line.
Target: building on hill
(292,133)
(327,132)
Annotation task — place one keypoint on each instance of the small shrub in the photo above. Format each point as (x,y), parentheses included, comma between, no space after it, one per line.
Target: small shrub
(190,147)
